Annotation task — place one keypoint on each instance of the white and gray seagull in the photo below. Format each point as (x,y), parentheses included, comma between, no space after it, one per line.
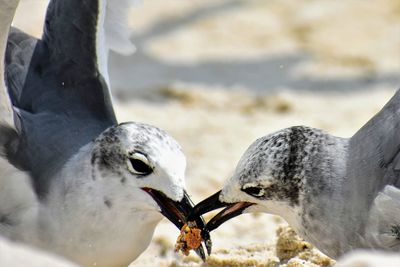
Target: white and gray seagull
(340,194)
(72,180)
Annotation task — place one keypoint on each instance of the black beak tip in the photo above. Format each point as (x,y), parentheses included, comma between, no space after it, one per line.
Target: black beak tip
(208,244)
(200,252)
(205,235)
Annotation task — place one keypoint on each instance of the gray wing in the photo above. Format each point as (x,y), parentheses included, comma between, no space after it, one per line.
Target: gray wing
(15,187)
(7,12)
(374,151)
(374,177)
(7,128)
(373,161)
(57,88)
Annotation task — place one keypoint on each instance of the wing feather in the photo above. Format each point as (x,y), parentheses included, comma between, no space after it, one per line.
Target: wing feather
(7,12)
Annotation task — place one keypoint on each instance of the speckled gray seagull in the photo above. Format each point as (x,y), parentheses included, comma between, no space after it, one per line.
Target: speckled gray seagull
(72,180)
(340,194)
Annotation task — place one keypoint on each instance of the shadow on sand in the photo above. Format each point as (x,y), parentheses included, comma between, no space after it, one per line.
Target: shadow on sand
(142,73)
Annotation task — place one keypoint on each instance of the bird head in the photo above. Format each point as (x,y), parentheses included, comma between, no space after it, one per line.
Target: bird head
(268,178)
(145,166)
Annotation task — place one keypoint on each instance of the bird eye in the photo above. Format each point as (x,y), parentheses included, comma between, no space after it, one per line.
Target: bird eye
(138,164)
(254,191)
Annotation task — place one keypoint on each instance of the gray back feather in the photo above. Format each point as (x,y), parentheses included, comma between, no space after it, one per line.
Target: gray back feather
(7,10)
(61,98)
(373,157)
(8,134)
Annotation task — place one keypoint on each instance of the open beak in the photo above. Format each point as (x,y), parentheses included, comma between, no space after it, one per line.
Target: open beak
(177,212)
(213,202)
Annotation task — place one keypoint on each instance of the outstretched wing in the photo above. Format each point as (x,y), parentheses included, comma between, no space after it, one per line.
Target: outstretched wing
(8,134)
(117,30)
(59,85)
(7,12)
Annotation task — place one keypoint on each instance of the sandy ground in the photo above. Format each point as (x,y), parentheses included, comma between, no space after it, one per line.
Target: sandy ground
(218,74)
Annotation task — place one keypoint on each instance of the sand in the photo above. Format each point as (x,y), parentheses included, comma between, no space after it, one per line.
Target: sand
(201,60)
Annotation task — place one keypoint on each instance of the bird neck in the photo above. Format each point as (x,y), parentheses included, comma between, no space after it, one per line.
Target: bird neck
(325,167)
(324,175)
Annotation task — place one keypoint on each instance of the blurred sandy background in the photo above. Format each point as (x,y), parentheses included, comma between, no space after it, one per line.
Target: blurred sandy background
(217,74)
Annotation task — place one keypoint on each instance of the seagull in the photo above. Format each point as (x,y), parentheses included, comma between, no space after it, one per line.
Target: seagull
(73,181)
(338,193)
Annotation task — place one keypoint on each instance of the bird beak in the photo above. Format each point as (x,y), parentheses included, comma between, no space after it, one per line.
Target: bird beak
(177,212)
(213,202)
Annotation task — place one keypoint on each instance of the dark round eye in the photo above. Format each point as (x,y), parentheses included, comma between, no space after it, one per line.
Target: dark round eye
(254,191)
(139,165)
